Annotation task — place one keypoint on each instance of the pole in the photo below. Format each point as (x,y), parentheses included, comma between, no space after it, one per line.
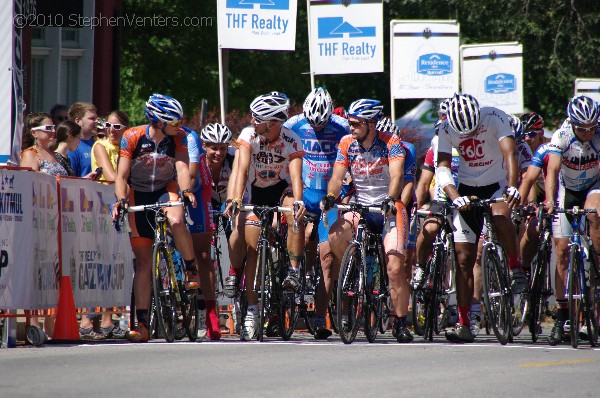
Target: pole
(222,84)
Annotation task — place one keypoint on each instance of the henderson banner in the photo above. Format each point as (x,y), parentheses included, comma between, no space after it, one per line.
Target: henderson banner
(97,258)
(33,207)
(424,58)
(588,87)
(346,38)
(493,73)
(257,24)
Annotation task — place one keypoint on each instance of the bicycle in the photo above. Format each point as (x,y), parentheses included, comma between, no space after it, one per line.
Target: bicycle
(582,287)
(440,269)
(534,302)
(363,281)
(497,294)
(274,265)
(220,221)
(170,299)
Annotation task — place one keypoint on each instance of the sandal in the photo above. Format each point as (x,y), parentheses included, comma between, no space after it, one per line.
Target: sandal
(114,332)
(90,334)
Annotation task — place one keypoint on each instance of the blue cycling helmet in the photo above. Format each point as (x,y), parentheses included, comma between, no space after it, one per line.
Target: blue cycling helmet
(162,108)
(368,109)
(583,110)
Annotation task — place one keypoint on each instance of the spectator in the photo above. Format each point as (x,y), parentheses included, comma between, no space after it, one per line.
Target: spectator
(106,152)
(59,113)
(36,154)
(85,115)
(67,139)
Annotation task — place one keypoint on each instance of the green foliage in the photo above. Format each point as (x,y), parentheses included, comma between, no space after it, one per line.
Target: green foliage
(561,41)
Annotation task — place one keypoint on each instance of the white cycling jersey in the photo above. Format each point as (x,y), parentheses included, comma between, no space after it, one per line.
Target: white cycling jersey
(579,170)
(481,160)
(269,162)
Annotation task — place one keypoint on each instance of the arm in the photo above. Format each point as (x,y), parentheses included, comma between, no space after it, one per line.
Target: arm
(183,174)
(233,176)
(29,159)
(396,178)
(508,149)
(422,190)
(123,169)
(445,160)
(296,176)
(529,179)
(193,170)
(554,164)
(337,177)
(103,161)
(407,192)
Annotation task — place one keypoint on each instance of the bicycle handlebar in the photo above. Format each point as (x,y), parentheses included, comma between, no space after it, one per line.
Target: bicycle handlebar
(358,208)
(157,206)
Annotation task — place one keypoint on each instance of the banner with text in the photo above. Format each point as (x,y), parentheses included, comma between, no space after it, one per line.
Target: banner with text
(257,24)
(424,58)
(346,38)
(588,87)
(493,73)
(29,267)
(97,258)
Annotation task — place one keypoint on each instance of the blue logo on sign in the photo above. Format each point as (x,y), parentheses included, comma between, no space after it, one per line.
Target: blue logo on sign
(434,64)
(500,83)
(336,28)
(262,4)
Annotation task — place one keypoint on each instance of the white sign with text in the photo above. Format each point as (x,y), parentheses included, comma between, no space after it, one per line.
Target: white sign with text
(588,87)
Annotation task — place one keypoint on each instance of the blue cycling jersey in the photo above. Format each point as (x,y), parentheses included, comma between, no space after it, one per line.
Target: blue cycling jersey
(320,148)
(410,161)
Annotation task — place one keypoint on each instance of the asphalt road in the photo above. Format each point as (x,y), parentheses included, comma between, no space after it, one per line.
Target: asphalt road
(301,368)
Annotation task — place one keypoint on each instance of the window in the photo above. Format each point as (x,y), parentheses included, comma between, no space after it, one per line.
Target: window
(70,37)
(38,37)
(69,79)
(37,85)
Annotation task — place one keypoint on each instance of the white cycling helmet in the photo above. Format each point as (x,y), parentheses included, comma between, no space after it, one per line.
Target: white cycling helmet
(385,125)
(443,107)
(162,108)
(463,113)
(583,110)
(270,107)
(368,109)
(318,107)
(216,133)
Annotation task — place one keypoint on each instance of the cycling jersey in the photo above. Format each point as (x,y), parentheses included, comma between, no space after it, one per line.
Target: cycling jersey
(369,168)
(320,148)
(269,162)
(201,215)
(430,164)
(540,160)
(481,160)
(579,170)
(152,165)
(524,155)
(410,161)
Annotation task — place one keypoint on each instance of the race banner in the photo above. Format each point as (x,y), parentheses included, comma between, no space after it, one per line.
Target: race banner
(346,37)
(28,240)
(424,58)
(588,87)
(493,73)
(257,24)
(97,258)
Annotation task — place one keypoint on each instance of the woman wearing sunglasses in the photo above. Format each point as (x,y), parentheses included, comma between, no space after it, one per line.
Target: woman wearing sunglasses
(36,154)
(106,152)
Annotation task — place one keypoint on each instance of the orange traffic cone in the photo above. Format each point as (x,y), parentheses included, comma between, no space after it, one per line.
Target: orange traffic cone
(66,327)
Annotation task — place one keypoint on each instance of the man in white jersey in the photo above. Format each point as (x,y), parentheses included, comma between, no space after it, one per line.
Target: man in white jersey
(572,179)
(485,142)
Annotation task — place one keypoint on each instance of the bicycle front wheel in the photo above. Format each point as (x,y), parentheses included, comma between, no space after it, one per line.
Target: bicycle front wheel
(164,293)
(288,307)
(496,293)
(574,295)
(350,293)
(537,296)
(373,306)
(266,266)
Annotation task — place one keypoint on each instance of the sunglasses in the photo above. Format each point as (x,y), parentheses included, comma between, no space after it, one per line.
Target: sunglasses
(175,124)
(115,126)
(531,134)
(357,124)
(48,127)
(586,129)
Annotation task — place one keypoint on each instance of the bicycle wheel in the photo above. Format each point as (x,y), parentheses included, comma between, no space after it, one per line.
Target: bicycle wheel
(519,308)
(537,297)
(164,294)
(574,295)
(350,294)
(418,311)
(436,300)
(496,293)
(191,317)
(593,310)
(288,309)
(373,306)
(266,265)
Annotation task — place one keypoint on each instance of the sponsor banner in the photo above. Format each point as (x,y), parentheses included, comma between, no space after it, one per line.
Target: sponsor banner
(28,236)
(97,258)
(346,37)
(493,73)
(424,58)
(588,87)
(257,24)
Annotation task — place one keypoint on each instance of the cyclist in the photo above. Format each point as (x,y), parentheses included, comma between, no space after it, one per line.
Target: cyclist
(484,139)
(376,162)
(320,132)
(270,162)
(201,232)
(572,180)
(153,161)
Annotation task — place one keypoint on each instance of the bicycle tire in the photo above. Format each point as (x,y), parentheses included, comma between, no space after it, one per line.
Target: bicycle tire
(537,298)
(373,305)
(593,306)
(191,316)
(436,296)
(574,295)
(496,293)
(165,301)
(265,289)
(518,313)
(418,312)
(350,291)
(288,308)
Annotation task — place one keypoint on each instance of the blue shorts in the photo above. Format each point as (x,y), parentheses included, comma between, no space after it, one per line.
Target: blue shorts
(312,200)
